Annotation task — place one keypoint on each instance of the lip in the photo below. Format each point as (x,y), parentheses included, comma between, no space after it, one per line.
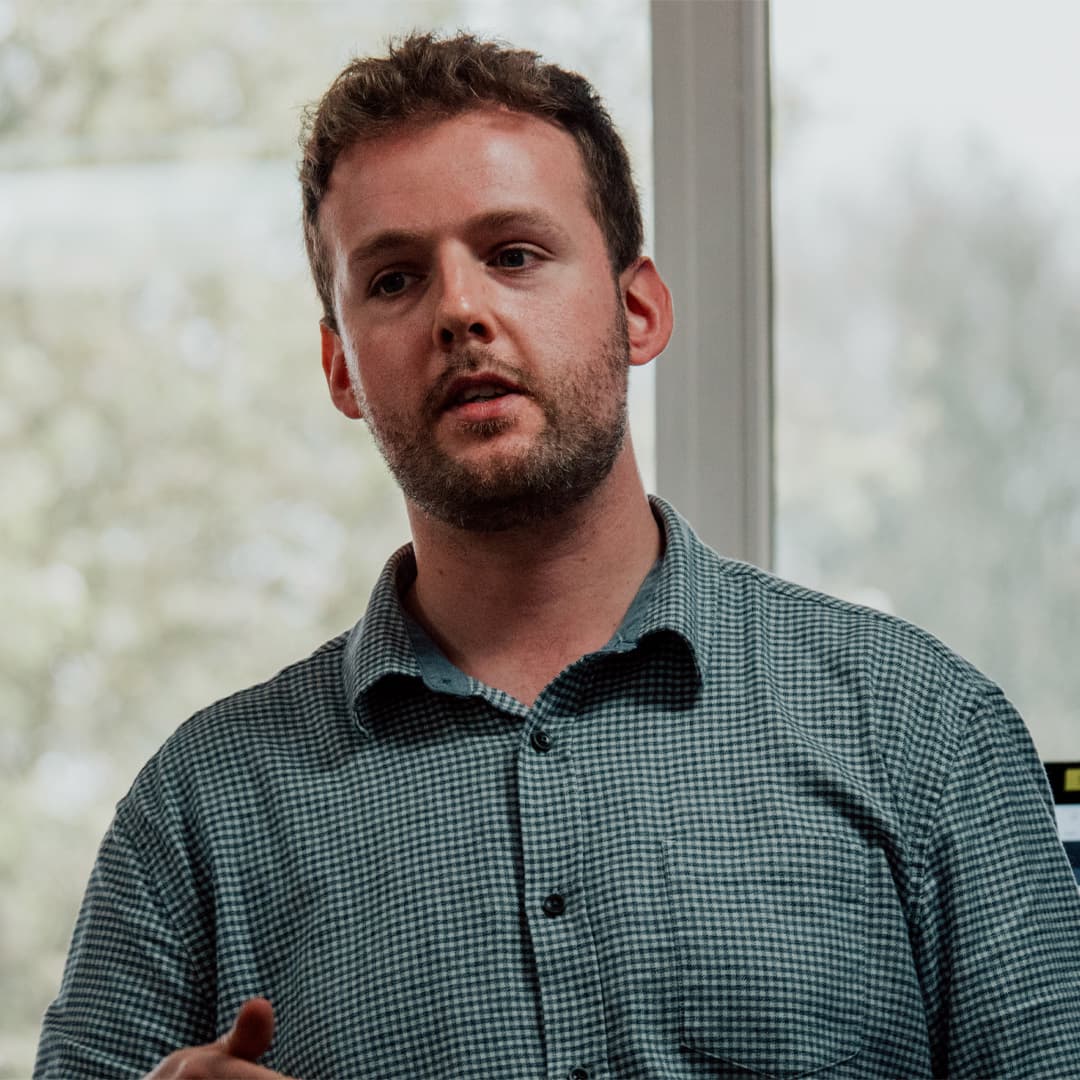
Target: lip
(483,408)
(477,412)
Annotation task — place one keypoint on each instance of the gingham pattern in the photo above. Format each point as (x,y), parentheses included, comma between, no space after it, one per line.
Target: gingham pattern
(793,837)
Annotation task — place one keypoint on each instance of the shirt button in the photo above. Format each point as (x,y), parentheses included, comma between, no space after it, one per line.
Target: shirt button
(554,905)
(541,741)
(578,1072)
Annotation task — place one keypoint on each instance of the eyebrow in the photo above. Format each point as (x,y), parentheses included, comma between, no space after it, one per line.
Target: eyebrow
(391,240)
(384,242)
(523,218)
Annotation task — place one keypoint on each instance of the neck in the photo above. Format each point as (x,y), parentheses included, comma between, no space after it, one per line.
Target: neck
(514,608)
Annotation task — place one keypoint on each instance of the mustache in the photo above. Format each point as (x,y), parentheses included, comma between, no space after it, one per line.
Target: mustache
(468,362)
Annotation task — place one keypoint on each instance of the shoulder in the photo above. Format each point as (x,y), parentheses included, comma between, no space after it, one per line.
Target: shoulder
(801,632)
(878,696)
(816,660)
(800,640)
(292,704)
(229,750)
(864,684)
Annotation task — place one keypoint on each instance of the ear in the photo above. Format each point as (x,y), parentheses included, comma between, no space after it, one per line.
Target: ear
(337,373)
(647,303)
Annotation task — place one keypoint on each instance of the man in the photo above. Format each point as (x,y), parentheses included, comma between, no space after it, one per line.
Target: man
(577,797)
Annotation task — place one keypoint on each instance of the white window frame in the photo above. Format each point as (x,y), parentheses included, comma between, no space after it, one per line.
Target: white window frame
(714,394)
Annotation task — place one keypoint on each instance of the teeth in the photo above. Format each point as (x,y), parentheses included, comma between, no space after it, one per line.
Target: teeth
(481,393)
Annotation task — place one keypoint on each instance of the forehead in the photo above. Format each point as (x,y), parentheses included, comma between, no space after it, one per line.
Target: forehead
(433,170)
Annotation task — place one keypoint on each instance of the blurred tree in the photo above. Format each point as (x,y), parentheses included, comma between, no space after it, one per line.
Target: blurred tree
(183,511)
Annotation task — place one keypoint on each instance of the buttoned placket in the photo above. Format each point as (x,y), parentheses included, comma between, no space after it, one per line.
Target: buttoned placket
(567,965)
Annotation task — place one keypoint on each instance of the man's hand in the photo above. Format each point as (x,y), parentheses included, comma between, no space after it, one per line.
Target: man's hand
(232,1057)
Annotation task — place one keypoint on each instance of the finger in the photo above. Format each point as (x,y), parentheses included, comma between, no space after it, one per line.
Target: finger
(235,1069)
(251,1032)
(210,1063)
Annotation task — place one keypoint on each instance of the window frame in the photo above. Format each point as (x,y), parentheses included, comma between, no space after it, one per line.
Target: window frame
(711,159)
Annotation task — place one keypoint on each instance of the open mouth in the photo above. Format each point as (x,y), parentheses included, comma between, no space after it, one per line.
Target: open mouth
(480,393)
(474,392)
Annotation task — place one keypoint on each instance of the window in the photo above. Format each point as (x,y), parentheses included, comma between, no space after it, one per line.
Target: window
(927,385)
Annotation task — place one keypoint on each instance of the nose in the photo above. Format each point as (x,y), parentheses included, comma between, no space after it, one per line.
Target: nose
(462,313)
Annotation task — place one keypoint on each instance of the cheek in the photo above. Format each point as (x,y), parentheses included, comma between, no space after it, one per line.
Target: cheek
(575,320)
(587,322)
(378,354)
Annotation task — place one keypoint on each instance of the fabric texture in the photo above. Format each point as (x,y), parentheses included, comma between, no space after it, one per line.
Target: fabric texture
(762,832)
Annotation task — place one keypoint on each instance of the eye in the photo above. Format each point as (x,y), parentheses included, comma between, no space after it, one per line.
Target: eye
(390,284)
(514,258)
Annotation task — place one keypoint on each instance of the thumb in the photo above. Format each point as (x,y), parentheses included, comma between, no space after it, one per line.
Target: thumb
(251,1032)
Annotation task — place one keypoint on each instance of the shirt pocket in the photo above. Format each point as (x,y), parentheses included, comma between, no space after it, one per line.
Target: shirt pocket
(770,937)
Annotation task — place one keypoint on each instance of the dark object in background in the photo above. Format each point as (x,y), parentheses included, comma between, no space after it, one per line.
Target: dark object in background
(1065,784)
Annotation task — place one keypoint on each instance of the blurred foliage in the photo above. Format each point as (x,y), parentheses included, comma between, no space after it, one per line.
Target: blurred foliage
(107,80)
(184,512)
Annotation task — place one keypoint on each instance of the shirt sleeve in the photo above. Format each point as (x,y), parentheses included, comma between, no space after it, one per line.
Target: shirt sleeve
(131,993)
(997,920)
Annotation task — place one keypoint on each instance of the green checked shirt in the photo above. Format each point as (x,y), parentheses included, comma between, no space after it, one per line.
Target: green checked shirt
(762,832)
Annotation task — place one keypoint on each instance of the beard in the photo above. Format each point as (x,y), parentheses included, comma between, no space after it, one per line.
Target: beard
(583,434)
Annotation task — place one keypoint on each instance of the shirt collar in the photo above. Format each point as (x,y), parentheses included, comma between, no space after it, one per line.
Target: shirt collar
(381,644)
(674,602)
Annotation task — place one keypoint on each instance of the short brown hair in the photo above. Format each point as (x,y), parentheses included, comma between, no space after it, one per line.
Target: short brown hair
(425,76)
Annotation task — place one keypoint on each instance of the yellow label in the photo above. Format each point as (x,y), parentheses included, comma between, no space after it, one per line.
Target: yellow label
(1072,779)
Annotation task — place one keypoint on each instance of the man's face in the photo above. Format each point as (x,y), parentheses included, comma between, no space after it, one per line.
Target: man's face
(478,316)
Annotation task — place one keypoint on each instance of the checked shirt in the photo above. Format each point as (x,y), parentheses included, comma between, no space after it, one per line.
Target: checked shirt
(761,833)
